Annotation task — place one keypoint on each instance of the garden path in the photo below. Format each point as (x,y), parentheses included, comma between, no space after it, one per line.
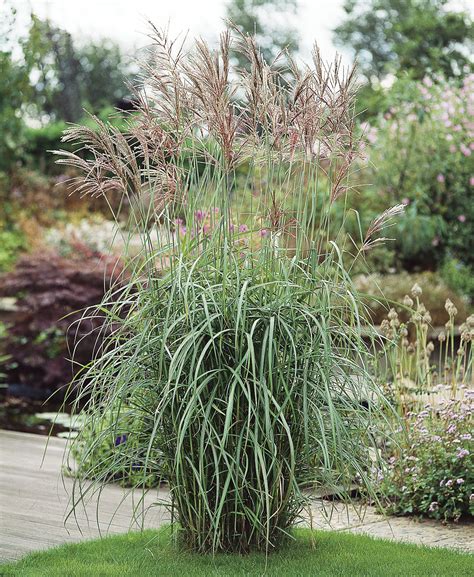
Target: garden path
(34,499)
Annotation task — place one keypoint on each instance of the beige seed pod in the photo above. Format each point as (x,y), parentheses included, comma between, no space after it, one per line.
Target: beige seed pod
(392,314)
(416,290)
(407,301)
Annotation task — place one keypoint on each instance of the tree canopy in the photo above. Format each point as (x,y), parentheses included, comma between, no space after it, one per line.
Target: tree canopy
(418,36)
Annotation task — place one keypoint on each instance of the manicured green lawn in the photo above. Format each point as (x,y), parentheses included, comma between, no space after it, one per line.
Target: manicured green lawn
(152,554)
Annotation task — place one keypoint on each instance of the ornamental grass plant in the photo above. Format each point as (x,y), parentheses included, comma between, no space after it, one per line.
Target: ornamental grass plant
(236,339)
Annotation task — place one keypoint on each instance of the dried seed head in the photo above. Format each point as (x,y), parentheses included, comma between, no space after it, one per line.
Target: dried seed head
(450,308)
(392,314)
(416,290)
(407,301)
(442,337)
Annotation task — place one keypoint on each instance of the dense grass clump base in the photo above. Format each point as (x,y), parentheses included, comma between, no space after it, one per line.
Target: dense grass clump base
(325,554)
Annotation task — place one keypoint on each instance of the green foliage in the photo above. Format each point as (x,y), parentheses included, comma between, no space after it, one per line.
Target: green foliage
(111,447)
(50,54)
(104,71)
(12,243)
(422,156)
(15,89)
(415,238)
(72,77)
(432,471)
(459,277)
(417,36)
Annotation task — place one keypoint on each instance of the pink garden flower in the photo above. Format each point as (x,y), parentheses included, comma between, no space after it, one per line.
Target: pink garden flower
(440,178)
(462,218)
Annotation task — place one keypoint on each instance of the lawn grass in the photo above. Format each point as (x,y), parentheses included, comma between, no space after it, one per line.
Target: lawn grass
(321,554)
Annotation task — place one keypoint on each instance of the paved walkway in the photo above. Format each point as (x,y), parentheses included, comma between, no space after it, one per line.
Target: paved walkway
(34,500)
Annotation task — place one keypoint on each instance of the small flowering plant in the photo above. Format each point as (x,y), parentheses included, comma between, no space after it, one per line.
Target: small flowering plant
(431,470)
(415,369)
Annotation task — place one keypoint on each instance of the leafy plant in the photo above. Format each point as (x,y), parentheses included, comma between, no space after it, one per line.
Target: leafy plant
(459,277)
(12,243)
(423,155)
(52,294)
(112,446)
(416,36)
(248,336)
(431,473)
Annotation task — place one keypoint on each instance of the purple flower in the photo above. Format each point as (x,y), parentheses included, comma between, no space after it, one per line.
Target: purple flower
(471,181)
(120,440)
(405,201)
(462,453)
(243,228)
(449,482)
(263,232)
(459,481)
(440,178)
(462,218)
(200,214)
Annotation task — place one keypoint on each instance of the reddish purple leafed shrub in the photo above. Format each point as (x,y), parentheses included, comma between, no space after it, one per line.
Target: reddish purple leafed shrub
(52,295)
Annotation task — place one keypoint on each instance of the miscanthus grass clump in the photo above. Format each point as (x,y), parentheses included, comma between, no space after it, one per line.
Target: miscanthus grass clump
(236,342)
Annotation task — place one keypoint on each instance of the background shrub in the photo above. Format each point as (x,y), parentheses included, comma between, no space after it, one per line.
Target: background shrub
(52,294)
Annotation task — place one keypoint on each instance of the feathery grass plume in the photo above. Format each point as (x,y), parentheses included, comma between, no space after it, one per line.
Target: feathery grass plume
(236,356)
